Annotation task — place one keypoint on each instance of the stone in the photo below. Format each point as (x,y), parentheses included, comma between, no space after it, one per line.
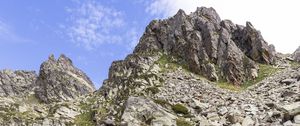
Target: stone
(296,55)
(297,119)
(288,123)
(109,122)
(288,81)
(248,121)
(139,109)
(222,110)
(292,109)
(66,112)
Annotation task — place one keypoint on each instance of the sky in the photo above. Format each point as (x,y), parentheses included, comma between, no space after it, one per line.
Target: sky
(93,33)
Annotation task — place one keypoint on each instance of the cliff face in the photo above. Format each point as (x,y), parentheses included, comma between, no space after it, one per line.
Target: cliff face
(215,48)
(16,83)
(186,70)
(59,80)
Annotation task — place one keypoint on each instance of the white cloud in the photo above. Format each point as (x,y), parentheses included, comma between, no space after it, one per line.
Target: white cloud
(278,20)
(93,24)
(8,35)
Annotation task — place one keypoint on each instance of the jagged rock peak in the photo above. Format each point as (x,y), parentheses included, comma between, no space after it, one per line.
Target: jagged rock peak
(214,48)
(59,80)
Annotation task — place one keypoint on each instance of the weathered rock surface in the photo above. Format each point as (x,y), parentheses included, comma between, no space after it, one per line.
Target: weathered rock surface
(296,55)
(16,83)
(141,111)
(59,80)
(215,48)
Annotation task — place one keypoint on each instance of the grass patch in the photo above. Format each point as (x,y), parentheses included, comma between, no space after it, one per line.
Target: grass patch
(162,102)
(32,99)
(263,72)
(229,86)
(180,109)
(294,64)
(183,122)
(85,119)
(167,63)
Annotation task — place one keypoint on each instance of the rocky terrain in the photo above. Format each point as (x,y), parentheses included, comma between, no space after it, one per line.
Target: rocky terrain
(187,70)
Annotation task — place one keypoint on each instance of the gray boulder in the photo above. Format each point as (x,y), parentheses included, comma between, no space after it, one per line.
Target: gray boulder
(141,111)
(296,55)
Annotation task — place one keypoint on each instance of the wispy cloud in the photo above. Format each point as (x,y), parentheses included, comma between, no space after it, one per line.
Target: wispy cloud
(93,24)
(166,8)
(8,35)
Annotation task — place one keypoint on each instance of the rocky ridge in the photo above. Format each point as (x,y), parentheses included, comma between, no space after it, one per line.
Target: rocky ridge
(30,99)
(215,48)
(59,80)
(179,74)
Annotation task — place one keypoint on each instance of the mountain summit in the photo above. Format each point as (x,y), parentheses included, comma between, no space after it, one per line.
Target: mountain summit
(214,48)
(187,70)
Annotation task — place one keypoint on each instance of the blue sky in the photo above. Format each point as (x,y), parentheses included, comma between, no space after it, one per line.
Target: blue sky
(93,33)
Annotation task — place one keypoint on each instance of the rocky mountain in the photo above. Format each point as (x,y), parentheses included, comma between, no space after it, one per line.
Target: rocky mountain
(187,70)
(59,80)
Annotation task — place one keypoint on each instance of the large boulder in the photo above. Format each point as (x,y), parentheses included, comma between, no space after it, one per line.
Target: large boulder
(141,111)
(209,46)
(16,83)
(59,80)
(296,55)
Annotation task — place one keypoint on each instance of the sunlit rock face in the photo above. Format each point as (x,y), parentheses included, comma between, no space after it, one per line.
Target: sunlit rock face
(215,48)
(296,55)
(16,83)
(59,80)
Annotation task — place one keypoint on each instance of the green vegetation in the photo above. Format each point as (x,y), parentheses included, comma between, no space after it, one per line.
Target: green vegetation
(264,72)
(7,113)
(226,85)
(85,119)
(168,63)
(294,64)
(153,90)
(162,102)
(180,109)
(32,99)
(182,122)
(53,109)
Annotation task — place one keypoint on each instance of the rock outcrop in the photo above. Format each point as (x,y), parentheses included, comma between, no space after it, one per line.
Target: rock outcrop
(16,83)
(296,55)
(215,48)
(59,80)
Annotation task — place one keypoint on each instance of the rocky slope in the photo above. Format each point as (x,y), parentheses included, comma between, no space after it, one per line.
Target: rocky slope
(187,70)
(44,99)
